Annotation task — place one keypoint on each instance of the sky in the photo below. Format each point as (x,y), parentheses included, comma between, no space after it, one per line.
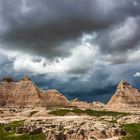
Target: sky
(81,47)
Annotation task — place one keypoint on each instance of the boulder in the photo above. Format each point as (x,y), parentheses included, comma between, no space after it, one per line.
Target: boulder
(34,131)
(7,128)
(22,129)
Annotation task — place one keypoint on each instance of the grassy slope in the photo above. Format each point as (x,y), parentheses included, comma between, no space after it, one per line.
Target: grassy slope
(133,130)
(63,112)
(12,136)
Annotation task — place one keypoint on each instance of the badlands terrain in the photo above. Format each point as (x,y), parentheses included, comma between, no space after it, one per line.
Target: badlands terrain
(28,113)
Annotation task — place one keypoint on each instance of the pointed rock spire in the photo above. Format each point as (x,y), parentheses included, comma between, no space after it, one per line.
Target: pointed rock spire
(123,86)
(26,78)
(125,97)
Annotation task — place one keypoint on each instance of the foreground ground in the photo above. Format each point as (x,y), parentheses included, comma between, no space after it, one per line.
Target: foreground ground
(68,124)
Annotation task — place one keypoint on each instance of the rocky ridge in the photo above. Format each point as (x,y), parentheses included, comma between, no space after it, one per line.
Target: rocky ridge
(85,105)
(24,93)
(126,98)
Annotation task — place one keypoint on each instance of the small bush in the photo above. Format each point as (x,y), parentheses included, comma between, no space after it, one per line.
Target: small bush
(60,112)
(78,111)
(33,112)
(7,79)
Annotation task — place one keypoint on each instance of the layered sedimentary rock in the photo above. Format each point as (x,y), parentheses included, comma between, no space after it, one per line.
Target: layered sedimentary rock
(52,98)
(125,98)
(81,104)
(25,93)
(85,105)
(98,104)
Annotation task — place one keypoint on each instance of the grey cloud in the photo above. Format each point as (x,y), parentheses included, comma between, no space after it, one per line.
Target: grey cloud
(48,25)
(42,27)
(3,60)
(120,40)
(5,66)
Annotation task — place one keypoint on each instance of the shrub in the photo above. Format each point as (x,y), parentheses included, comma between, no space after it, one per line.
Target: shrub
(33,112)
(7,79)
(60,112)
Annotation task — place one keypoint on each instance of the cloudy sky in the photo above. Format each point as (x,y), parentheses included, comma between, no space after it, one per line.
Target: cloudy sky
(81,47)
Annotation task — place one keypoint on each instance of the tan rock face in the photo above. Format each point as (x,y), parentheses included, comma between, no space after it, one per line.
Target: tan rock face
(54,98)
(80,104)
(98,104)
(25,93)
(125,98)
(86,105)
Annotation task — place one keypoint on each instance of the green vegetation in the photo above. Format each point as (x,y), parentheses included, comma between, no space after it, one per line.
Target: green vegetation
(93,138)
(7,79)
(104,113)
(15,124)
(60,112)
(78,111)
(33,112)
(133,130)
(63,112)
(12,136)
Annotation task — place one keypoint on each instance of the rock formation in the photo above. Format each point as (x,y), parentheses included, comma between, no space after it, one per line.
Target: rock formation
(85,105)
(98,104)
(25,93)
(125,98)
(80,104)
(72,129)
(53,98)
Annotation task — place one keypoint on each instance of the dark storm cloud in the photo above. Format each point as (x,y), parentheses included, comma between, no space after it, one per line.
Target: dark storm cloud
(5,66)
(48,24)
(41,27)
(6,69)
(3,60)
(121,40)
